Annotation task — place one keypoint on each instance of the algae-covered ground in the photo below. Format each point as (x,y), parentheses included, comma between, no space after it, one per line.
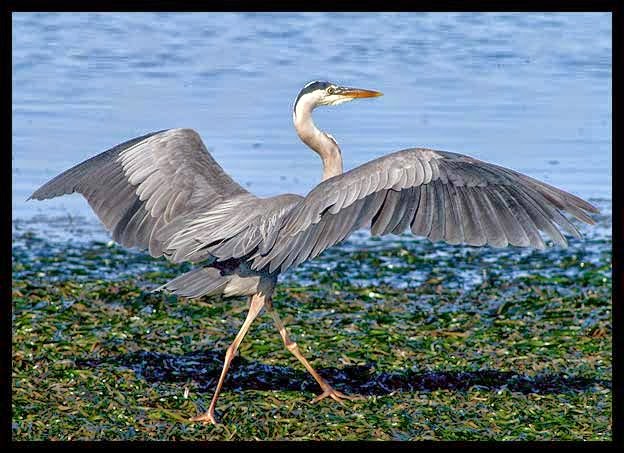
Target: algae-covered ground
(441,342)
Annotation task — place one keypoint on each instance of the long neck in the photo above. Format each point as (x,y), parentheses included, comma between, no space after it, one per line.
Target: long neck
(319,141)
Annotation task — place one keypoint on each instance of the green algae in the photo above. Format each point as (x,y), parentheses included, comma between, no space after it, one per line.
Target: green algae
(444,343)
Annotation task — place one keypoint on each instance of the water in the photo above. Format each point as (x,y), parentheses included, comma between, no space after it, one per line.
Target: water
(527,91)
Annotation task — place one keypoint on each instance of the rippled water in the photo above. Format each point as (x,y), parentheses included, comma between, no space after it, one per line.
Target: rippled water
(528,91)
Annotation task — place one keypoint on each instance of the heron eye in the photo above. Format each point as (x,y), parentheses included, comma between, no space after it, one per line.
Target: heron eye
(330,90)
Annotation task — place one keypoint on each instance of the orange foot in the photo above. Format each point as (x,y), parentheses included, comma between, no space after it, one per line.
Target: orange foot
(333,394)
(206,418)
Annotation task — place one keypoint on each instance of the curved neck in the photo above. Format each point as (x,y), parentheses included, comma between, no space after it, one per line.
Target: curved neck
(323,144)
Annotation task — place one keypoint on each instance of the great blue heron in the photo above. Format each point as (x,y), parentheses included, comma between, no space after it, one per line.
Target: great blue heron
(165,193)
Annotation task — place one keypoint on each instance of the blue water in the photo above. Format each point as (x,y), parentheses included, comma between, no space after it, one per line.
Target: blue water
(527,91)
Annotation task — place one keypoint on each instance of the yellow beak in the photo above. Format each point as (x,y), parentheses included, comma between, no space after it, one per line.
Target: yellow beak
(357,93)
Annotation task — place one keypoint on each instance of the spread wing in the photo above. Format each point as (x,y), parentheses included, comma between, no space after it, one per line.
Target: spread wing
(438,195)
(145,184)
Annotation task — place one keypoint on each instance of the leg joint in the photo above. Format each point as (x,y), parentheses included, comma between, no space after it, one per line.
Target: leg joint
(291,346)
(229,352)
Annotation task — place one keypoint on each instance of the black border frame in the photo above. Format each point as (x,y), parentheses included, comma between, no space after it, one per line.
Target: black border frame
(613,6)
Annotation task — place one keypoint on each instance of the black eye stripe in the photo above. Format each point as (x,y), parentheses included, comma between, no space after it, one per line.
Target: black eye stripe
(309,88)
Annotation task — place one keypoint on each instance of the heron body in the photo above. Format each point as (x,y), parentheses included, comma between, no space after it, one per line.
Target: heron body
(164,192)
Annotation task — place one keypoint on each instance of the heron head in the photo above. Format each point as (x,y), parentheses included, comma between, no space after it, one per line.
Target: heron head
(326,93)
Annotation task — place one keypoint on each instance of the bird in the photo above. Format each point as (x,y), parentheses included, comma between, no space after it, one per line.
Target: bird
(163,192)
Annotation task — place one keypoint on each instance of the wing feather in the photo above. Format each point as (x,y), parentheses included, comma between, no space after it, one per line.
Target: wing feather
(439,195)
(141,185)
(421,225)
(452,222)
(438,219)
(412,197)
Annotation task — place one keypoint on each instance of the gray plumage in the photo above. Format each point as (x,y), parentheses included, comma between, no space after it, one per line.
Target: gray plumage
(165,193)
(143,184)
(439,195)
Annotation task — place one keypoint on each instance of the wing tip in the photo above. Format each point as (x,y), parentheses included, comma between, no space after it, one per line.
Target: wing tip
(592,208)
(39,194)
(159,289)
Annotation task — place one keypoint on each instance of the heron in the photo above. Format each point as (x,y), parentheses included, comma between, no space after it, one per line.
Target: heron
(163,192)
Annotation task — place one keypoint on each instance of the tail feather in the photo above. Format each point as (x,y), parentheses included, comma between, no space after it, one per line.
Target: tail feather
(205,281)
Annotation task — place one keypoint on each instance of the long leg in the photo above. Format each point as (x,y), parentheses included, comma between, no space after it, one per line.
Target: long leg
(294,349)
(256,302)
